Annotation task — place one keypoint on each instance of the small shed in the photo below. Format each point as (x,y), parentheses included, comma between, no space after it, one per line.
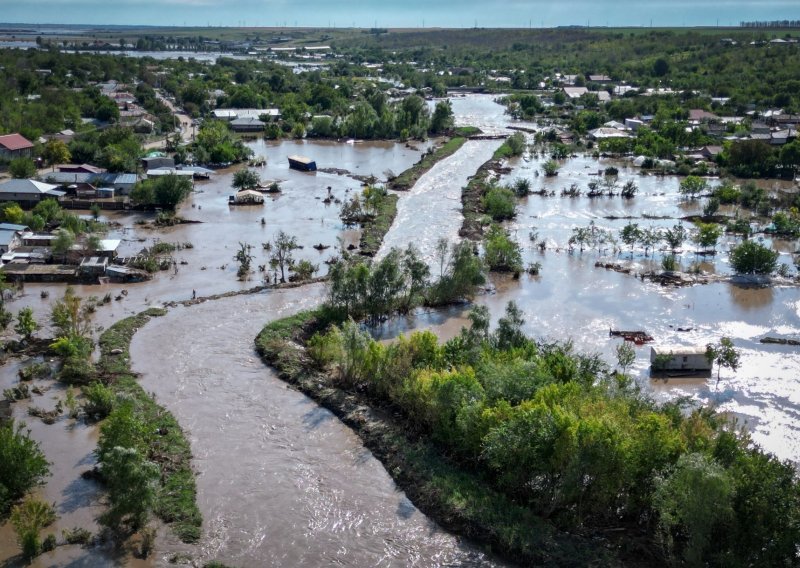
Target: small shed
(94,266)
(679,359)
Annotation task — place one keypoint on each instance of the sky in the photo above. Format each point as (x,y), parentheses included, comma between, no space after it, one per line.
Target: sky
(391,13)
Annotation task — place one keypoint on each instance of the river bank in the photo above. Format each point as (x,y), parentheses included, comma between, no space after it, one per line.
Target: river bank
(458,499)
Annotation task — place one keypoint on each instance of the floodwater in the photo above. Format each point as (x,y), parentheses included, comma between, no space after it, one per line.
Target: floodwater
(281,481)
(571,300)
(432,208)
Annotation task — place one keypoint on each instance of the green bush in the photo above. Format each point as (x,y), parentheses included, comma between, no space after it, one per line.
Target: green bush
(22,464)
(28,519)
(499,203)
(100,401)
(751,257)
(501,252)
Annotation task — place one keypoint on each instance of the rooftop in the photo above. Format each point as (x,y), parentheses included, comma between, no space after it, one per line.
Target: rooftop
(13,142)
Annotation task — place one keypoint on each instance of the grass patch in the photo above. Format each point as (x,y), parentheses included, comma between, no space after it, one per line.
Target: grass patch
(167,444)
(408,178)
(373,231)
(467,131)
(459,499)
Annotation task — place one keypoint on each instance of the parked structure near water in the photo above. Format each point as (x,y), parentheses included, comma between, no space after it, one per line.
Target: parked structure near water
(679,360)
(302,163)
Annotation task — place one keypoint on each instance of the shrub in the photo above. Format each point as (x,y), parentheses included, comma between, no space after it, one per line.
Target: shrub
(751,257)
(522,187)
(77,370)
(100,401)
(499,203)
(22,464)
(501,253)
(550,168)
(28,519)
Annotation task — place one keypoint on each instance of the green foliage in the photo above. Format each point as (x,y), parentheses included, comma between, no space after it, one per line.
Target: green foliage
(28,519)
(669,263)
(100,401)
(131,482)
(22,464)
(501,252)
(442,119)
(56,152)
(751,257)
(695,497)
(707,235)
(146,434)
(26,324)
(499,203)
(550,168)
(22,168)
(724,354)
(246,179)
(692,186)
(522,187)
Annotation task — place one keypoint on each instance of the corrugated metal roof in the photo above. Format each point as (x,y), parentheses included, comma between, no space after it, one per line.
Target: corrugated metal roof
(15,142)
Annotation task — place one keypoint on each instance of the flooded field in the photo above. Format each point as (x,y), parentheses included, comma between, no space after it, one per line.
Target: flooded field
(281,481)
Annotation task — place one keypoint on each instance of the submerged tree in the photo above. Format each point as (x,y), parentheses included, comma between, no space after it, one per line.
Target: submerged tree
(281,249)
(724,354)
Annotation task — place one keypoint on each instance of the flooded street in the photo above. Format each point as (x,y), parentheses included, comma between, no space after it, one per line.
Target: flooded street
(281,481)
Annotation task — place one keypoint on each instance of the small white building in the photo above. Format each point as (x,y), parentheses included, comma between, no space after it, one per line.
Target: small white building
(679,358)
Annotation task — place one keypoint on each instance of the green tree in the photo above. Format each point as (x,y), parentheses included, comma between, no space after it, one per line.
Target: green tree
(707,236)
(26,325)
(676,236)
(724,354)
(246,179)
(442,119)
(22,463)
(751,257)
(695,500)
(626,355)
(281,252)
(630,235)
(790,156)
(170,190)
(56,152)
(692,186)
(501,252)
(550,168)
(22,168)
(63,243)
(131,482)
(499,203)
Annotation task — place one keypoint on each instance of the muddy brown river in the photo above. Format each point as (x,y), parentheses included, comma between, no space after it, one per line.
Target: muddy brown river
(281,482)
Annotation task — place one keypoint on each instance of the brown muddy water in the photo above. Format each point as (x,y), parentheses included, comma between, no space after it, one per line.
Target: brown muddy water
(281,481)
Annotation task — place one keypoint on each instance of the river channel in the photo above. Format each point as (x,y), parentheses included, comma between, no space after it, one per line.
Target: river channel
(281,482)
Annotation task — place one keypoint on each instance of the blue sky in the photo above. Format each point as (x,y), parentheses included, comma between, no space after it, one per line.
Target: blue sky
(409,13)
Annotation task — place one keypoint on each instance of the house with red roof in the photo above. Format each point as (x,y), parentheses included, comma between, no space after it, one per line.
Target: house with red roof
(15,146)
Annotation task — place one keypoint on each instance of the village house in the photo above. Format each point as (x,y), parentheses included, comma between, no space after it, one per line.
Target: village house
(15,146)
(602,79)
(231,114)
(28,192)
(11,236)
(247,125)
(700,116)
(80,169)
(575,92)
